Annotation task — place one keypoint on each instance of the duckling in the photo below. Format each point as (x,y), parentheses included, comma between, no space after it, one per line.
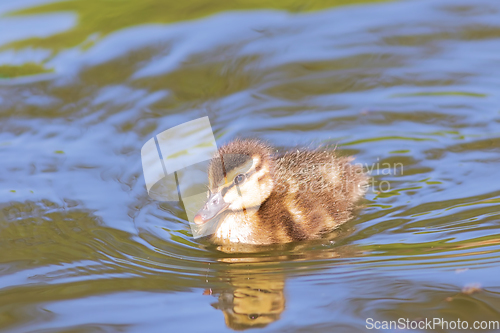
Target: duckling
(260,198)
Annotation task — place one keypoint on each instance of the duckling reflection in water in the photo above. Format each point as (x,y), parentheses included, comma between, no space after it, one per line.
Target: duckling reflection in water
(255,295)
(255,301)
(260,198)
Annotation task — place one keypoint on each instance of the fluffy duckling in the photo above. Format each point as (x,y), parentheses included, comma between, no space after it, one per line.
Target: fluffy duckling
(257,197)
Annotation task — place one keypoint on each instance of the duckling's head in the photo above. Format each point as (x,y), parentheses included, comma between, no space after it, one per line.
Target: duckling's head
(240,179)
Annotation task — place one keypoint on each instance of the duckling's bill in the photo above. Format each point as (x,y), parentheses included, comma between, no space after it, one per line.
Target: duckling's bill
(213,207)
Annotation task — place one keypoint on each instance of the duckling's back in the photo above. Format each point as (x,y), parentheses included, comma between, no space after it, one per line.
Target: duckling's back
(314,193)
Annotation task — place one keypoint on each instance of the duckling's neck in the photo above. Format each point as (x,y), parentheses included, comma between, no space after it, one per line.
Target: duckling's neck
(236,227)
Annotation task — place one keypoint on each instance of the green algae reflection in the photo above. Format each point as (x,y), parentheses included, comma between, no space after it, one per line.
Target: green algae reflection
(11,71)
(103,17)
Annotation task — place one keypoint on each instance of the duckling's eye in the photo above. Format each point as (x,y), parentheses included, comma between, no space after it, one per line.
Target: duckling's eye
(253,316)
(239,179)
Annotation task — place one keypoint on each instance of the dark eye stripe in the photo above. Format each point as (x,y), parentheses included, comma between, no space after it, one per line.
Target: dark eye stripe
(249,174)
(227,188)
(258,166)
(261,177)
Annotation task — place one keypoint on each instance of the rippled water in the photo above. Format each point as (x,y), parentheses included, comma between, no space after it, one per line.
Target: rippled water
(409,87)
